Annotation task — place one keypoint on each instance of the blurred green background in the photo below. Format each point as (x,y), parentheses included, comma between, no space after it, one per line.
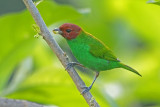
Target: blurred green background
(30,70)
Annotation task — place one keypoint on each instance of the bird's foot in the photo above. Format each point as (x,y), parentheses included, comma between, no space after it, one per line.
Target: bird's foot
(86,89)
(72,64)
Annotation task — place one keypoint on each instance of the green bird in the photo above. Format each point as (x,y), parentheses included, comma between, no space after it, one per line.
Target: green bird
(89,51)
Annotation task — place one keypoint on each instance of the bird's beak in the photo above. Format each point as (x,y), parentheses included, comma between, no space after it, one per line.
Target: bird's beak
(57,31)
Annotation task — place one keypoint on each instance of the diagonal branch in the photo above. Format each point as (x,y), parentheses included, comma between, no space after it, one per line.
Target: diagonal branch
(59,52)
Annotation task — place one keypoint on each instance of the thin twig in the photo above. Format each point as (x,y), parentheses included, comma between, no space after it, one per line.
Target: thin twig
(59,52)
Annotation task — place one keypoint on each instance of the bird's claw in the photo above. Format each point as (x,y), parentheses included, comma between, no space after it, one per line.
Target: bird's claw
(72,64)
(69,65)
(86,89)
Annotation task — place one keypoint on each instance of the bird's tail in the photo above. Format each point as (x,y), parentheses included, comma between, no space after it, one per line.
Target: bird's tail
(130,69)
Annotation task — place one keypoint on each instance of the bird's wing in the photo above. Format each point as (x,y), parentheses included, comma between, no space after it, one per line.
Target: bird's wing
(98,49)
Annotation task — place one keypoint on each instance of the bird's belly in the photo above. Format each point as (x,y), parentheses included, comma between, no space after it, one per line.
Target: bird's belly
(83,55)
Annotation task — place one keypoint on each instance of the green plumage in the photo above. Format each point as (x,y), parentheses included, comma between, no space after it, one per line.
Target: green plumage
(92,53)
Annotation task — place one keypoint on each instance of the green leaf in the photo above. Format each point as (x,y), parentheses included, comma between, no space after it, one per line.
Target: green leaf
(20,74)
(17,42)
(51,12)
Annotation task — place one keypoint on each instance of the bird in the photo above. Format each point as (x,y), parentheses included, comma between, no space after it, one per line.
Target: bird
(89,51)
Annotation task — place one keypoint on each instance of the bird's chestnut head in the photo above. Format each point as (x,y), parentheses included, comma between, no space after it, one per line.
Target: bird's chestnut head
(68,31)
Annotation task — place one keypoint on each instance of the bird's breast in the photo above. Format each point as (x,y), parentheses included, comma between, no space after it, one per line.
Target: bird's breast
(81,51)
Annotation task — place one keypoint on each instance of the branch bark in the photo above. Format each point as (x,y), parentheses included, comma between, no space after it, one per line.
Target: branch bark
(59,52)
(18,103)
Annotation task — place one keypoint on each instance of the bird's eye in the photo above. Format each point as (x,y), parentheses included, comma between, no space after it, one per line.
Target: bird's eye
(68,30)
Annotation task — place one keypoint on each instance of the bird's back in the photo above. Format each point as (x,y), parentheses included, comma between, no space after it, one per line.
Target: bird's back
(92,53)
